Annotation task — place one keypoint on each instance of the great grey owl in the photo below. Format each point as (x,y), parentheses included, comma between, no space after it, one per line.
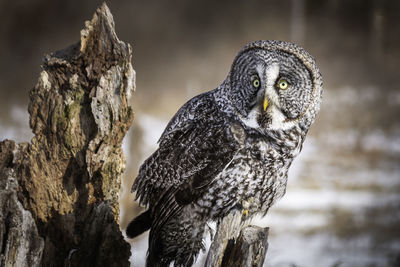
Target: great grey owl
(226,147)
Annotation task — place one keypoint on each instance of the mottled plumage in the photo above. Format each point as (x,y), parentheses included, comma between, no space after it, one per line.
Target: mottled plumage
(228,148)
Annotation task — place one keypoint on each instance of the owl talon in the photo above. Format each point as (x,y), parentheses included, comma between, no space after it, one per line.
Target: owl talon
(245,212)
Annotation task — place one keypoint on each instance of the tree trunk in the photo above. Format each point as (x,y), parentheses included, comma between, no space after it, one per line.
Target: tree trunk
(238,244)
(59,193)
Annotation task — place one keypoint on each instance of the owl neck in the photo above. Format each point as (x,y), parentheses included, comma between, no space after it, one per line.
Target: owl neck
(287,143)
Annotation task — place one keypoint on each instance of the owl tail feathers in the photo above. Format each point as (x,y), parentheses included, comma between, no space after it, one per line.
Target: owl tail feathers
(139,225)
(178,244)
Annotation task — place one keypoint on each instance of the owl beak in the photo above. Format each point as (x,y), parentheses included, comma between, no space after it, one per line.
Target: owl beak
(266,103)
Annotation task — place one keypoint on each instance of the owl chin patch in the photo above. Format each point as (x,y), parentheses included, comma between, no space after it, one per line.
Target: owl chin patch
(264,120)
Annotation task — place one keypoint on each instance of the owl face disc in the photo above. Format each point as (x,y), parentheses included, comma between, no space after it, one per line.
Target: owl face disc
(283,92)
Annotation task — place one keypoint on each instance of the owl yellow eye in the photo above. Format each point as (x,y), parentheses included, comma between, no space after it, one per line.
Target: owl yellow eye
(256,83)
(283,84)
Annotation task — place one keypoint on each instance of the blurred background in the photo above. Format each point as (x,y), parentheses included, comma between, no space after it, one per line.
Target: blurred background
(342,206)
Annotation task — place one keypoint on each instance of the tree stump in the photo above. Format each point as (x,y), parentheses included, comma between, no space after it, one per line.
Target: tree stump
(238,244)
(59,193)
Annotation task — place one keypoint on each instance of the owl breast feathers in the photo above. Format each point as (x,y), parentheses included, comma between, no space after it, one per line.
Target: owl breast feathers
(229,148)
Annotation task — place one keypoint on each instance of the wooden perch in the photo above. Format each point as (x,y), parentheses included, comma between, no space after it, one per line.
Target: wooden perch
(59,193)
(237,244)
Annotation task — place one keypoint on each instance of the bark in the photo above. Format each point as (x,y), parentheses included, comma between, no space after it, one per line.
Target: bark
(59,193)
(238,244)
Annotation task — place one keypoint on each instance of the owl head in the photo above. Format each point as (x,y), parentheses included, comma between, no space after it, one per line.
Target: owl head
(275,85)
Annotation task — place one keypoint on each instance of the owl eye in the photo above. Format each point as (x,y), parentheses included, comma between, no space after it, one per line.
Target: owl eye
(256,83)
(282,84)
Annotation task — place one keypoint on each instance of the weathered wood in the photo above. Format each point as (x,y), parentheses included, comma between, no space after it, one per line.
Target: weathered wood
(249,249)
(237,244)
(20,242)
(59,193)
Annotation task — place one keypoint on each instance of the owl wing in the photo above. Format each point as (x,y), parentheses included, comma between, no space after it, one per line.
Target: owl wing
(186,147)
(195,147)
(204,157)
